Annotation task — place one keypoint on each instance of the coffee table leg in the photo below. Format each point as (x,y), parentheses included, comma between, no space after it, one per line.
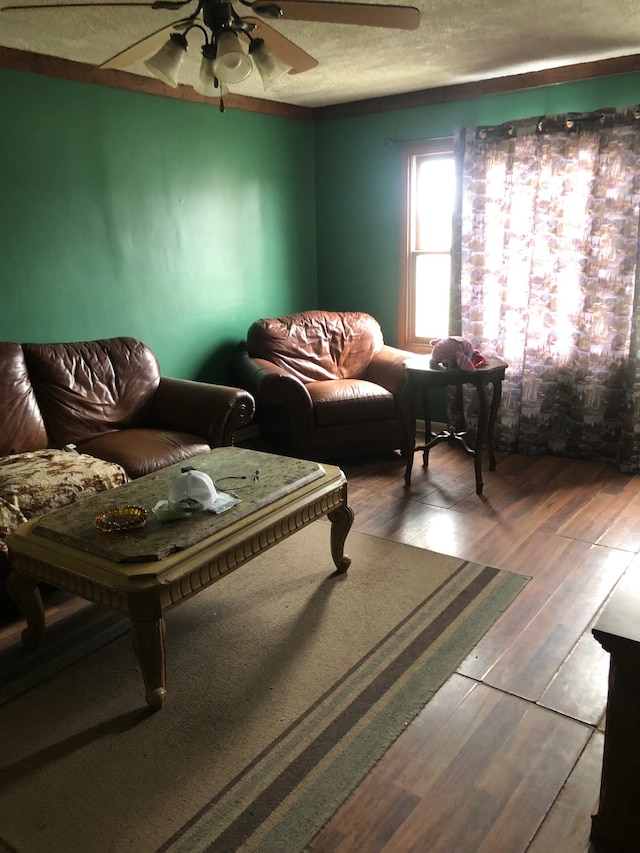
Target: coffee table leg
(341,520)
(24,591)
(147,633)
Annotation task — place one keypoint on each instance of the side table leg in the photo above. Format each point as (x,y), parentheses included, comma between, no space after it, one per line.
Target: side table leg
(408,427)
(482,432)
(24,591)
(428,435)
(407,470)
(457,411)
(493,416)
(341,520)
(147,633)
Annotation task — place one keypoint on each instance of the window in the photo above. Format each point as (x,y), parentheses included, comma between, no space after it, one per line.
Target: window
(425,281)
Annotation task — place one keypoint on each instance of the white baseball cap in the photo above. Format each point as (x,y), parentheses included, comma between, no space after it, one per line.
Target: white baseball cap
(192,490)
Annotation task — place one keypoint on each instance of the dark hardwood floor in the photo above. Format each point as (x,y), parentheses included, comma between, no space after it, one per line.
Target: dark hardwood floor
(506,757)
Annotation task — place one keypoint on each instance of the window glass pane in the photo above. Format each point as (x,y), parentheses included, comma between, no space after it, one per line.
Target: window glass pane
(435,192)
(432,284)
(425,283)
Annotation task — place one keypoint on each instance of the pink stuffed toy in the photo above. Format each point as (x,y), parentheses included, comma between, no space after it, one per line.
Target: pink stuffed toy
(456,352)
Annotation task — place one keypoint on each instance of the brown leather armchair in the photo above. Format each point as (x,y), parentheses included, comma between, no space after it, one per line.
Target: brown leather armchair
(325,384)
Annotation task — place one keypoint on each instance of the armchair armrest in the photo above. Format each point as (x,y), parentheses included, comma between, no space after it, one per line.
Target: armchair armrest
(387,368)
(214,412)
(274,388)
(277,388)
(269,383)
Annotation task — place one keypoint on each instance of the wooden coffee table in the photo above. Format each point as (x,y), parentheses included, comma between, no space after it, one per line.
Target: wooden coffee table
(147,571)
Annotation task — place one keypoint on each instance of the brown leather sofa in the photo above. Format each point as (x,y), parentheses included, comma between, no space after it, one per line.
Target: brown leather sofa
(325,384)
(108,399)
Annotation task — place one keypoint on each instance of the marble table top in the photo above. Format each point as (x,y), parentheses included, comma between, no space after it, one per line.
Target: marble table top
(232,469)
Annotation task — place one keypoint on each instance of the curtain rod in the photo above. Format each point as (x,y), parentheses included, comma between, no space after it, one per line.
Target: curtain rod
(399,140)
(571,121)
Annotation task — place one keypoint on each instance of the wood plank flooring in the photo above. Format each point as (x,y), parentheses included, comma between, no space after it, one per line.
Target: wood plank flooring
(506,757)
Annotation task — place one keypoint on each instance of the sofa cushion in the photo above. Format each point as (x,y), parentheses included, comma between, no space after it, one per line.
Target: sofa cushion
(348,401)
(32,484)
(90,388)
(317,345)
(22,425)
(143,451)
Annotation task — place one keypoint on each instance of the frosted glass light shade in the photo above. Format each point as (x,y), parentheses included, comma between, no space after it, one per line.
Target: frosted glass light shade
(165,64)
(231,65)
(269,65)
(206,82)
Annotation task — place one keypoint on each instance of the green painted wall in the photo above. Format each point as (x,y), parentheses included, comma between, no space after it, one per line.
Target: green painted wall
(131,214)
(127,214)
(359,180)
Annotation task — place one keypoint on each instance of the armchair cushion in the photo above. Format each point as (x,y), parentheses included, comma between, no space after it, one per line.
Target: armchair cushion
(317,345)
(343,401)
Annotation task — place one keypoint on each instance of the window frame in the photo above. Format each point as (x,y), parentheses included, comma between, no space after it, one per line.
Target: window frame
(407,339)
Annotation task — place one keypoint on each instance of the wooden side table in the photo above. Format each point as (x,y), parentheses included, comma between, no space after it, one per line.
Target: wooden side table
(420,378)
(616,826)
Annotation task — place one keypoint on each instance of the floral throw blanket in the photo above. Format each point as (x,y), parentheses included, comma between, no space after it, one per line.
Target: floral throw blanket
(32,484)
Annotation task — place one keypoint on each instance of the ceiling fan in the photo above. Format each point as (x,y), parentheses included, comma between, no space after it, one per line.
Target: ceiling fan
(224,60)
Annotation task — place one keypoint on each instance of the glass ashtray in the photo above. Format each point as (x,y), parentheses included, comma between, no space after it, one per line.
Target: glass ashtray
(120,518)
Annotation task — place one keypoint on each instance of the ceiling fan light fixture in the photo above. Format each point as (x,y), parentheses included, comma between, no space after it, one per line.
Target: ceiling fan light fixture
(165,64)
(270,67)
(207,82)
(232,64)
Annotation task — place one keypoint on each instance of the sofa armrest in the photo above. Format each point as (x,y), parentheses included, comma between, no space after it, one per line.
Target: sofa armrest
(387,368)
(214,412)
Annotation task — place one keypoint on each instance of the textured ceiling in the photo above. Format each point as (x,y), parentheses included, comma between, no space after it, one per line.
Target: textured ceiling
(458,41)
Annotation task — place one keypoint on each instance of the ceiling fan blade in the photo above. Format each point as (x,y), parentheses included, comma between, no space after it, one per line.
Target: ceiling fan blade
(360,14)
(39,6)
(289,52)
(141,48)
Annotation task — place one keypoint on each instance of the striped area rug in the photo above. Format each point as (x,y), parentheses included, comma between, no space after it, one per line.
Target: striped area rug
(285,686)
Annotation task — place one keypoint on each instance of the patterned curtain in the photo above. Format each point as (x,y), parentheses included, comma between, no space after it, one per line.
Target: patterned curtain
(547,234)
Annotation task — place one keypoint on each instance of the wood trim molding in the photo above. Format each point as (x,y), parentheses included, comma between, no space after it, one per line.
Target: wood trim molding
(481,88)
(404,311)
(67,69)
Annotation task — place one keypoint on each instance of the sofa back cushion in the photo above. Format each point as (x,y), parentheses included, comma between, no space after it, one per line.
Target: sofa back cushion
(90,388)
(317,345)
(21,425)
